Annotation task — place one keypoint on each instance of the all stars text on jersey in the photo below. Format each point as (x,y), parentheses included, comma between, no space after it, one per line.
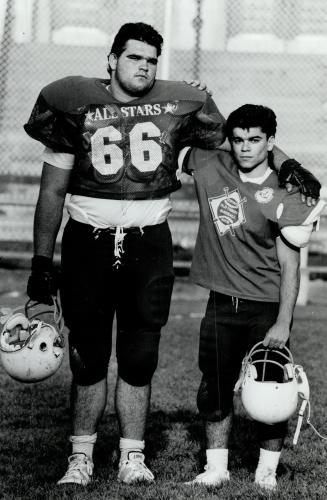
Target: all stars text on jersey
(112,112)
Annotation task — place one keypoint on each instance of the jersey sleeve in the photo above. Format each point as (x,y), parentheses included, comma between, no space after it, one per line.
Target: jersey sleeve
(287,209)
(206,129)
(193,160)
(53,128)
(295,219)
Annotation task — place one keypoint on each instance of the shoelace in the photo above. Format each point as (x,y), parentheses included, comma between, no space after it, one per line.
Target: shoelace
(139,465)
(80,464)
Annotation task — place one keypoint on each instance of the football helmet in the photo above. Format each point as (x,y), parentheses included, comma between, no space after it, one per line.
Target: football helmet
(271,384)
(31,350)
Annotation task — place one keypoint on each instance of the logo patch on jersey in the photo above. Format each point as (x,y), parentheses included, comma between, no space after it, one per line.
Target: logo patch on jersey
(265,195)
(170,107)
(227,211)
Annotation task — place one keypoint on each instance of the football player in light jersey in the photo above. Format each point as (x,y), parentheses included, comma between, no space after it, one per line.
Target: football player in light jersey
(113,146)
(247,254)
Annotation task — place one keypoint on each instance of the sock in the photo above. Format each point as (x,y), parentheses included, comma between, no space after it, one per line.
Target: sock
(217,458)
(83,444)
(127,445)
(268,460)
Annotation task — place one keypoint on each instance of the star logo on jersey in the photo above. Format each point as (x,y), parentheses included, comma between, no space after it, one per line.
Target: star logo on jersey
(171,107)
(89,116)
(264,195)
(227,211)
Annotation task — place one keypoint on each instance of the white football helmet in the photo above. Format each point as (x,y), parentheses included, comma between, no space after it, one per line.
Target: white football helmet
(271,401)
(30,349)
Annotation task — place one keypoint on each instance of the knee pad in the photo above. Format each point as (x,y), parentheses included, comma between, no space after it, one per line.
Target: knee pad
(138,362)
(213,404)
(155,301)
(87,368)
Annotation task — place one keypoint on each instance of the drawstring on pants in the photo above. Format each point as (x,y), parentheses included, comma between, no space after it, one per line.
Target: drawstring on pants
(119,240)
(119,234)
(235,303)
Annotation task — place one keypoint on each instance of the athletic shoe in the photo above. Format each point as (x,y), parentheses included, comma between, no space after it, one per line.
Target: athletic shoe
(266,478)
(79,471)
(133,469)
(212,476)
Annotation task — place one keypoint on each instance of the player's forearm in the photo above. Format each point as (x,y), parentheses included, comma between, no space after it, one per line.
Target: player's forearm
(289,289)
(47,220)
(207,128)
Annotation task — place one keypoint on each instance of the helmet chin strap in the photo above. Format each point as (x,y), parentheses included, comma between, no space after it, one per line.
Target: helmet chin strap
(303,406)
(300,420)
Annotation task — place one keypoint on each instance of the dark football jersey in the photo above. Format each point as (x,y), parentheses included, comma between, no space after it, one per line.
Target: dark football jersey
(124,150)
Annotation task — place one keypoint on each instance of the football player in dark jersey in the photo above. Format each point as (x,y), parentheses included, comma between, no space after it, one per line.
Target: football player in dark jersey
(113,146)
(247,255)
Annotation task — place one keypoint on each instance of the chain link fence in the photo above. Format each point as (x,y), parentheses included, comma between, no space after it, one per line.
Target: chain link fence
(271,52)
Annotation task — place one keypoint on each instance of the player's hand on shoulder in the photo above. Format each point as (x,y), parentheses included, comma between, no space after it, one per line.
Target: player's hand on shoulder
(43,281)
(198,84)
(293,174)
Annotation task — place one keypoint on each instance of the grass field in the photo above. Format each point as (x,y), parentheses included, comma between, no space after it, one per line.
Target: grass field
(35,419)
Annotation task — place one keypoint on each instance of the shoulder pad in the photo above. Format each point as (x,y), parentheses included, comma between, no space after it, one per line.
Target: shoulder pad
(72,92)
(178,90)
(298,236)
(287,209)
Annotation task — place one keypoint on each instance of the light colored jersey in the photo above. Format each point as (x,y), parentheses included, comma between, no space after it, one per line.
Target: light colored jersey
(235,252)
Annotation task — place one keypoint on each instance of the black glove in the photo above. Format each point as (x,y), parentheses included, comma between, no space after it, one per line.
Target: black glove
(43,281)
(291,171)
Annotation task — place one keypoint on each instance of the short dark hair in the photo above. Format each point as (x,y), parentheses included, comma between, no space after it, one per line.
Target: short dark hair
(136,31)
(252,115)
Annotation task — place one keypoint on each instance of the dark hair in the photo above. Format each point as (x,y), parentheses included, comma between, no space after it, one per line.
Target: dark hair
(252,115)
(136,31)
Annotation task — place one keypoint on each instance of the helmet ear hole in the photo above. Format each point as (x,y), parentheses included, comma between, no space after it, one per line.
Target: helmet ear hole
(43,346)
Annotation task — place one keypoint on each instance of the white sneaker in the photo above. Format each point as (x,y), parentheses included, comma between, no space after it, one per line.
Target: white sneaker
(79,471)
(133,469)
(266,478)
(210,477)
